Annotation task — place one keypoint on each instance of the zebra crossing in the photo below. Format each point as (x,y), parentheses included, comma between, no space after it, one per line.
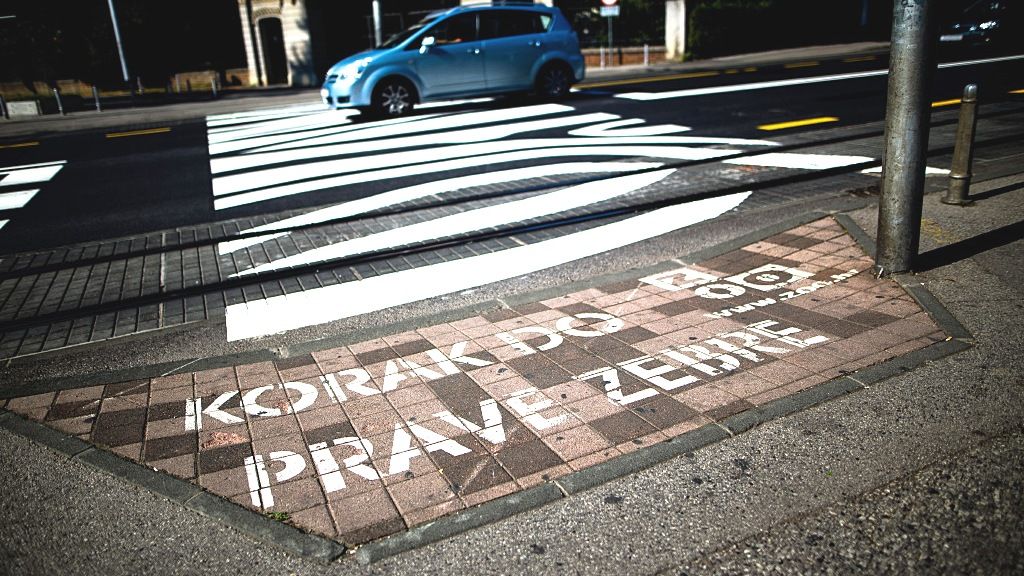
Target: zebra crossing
(440,153)
(20,184)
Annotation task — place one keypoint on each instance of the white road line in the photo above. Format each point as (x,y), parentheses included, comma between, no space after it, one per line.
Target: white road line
(3,223)
(801,161)
(450,103)
(668,152)
(287,125)
(252,180)
(15,200)
(615,129)
(981,61)
(410,193)
(928,171)
(235,142)
(29,173)
(362,148)
(648,96)
(264,114)
(428,124)
(322,305)
(472,220)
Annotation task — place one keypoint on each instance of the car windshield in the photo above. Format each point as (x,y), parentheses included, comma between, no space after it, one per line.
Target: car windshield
(397,39)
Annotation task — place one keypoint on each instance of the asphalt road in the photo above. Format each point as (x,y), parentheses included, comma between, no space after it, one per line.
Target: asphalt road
(120,182)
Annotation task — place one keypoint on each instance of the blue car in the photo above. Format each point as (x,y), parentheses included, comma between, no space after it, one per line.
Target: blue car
(465,51)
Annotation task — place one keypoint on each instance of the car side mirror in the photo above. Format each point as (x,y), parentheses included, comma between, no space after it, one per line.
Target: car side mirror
(427,43)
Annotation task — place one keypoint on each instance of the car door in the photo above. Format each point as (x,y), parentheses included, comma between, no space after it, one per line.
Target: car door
(453,63)
(513,42)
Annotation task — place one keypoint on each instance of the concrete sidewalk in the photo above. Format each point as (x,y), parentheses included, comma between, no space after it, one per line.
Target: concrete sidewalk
(915,467)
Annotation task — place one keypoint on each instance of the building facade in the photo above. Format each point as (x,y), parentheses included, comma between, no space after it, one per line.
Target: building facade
(291,42)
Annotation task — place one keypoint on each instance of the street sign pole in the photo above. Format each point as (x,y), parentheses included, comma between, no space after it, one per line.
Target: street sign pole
(117,39)
(610,38)
(377,36)
(610,9)
(907,116)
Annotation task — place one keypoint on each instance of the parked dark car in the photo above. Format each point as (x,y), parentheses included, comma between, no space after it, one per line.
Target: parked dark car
(986,23)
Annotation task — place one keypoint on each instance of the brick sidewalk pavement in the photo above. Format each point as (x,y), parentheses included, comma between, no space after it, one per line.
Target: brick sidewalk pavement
(358,442)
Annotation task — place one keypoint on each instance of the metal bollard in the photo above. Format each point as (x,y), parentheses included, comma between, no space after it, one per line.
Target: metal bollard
(213,86)
(3,108)
(963,150)
(60,103)
(601,52)
(647,55)
(96,99)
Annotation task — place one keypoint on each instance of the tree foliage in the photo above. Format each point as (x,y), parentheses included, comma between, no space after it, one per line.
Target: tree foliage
(639,22)
(49,40)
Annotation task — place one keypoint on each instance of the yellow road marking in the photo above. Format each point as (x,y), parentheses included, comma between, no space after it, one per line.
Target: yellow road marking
(798,123)
(138,132)
(19,145)
(651,79)
(803,64)
(859,59)
(942,103)
(750,69)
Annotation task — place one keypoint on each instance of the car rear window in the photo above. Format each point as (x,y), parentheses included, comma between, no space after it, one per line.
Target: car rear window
(502,23)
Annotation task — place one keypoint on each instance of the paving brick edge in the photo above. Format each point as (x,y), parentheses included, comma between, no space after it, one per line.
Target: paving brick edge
(316,547)
(195,364)
(184,493)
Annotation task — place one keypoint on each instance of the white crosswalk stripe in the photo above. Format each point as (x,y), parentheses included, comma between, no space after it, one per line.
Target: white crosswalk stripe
(266,157)
(20,184)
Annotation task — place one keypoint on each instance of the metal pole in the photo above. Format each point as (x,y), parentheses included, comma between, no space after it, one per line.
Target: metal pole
(963,151)
(611,57)
(647,55)
(3,108)
(117,38)
(96,99)
(600,50)
(377,40)
(60,104)
(906,138)
(213,86)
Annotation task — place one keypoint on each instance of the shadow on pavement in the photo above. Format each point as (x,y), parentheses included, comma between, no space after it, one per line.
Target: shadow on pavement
(997,191)
(971,246)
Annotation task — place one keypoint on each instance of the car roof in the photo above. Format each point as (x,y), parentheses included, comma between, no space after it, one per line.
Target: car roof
(484,6)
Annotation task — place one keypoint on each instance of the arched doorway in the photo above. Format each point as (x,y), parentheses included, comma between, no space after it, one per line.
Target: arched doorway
(275,62)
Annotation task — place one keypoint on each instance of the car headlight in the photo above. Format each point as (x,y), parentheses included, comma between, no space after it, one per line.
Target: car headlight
(355,69)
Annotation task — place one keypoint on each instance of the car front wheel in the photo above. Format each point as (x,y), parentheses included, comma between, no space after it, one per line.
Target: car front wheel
(554,81)
(392,97)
